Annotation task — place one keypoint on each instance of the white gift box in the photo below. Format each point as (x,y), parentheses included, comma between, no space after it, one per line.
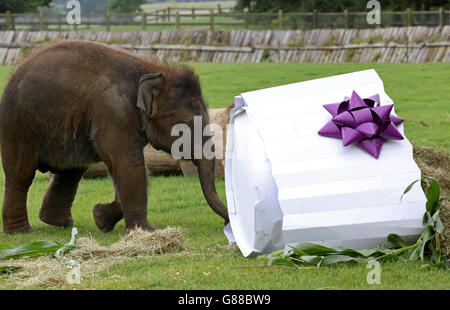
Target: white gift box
(286,184)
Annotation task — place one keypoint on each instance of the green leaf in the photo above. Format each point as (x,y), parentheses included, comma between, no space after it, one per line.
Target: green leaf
(435,216)
(30,250)
(409,254)
(433,194)
(37,248)
(313,259)
(409,188)
(305,248)
(427,219)
(428,233)
(397,241)
(356,253)
(5,248)
(280,261)
(338,258)
(65,248)
(417,252)
(276,253)
(368,252)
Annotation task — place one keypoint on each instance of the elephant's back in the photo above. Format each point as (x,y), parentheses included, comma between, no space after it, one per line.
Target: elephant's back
(68,76)
(53,92)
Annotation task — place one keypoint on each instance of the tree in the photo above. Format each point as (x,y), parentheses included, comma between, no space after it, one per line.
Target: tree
(22,6)
(336,5)
(125,6)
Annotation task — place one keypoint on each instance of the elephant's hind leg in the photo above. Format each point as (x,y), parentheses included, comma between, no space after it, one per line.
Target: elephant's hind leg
(106,215)
(57,203)
(19,174)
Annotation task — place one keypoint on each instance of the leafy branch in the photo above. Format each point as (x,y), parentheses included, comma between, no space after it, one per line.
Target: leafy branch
(427,248)
(35,249)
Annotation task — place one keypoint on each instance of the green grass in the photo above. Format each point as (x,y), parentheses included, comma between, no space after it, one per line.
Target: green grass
(420,93)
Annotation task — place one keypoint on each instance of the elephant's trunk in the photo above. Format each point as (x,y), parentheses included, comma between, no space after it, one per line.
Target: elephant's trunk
(206,170)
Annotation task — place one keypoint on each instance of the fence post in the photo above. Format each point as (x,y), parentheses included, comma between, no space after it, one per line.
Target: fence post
(193,13)
(59,21)
(177,20)
(41,21)
(219,9)
(75,26)
(211,20)
(407,47)
(88,22)
(8,20)
(108,21)
(168,14)
(408,17)
(441,17)
(314,19)
(246,18)
(143,20)
(280,19)
(346,19)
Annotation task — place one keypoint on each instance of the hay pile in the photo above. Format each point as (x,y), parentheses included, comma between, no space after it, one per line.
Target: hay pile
(436,163)
(93,258)
(135,243)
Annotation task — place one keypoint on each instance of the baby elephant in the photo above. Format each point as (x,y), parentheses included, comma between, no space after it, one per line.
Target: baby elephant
(74,103)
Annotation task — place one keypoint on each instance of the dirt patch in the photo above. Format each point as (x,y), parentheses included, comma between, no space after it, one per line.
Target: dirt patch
(92,258)
(436,163)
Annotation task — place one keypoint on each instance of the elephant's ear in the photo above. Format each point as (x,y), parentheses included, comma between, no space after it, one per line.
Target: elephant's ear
(147,85)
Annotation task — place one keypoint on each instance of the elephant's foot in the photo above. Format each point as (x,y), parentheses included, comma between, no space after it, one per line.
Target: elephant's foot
(133,222)
(107,215)
(21,227)
(56,216)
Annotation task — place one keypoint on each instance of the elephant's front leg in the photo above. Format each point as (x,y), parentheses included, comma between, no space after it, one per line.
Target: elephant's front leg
(131,184)
(127,169)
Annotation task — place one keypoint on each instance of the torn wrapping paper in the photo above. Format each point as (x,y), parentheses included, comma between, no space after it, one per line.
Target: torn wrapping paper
(229,233)
(286,184)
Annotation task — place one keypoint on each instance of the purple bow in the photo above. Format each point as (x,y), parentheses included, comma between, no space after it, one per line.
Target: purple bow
(362,121)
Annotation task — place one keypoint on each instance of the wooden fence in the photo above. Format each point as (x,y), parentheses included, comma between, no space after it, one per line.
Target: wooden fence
(390,44)
(219,18)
